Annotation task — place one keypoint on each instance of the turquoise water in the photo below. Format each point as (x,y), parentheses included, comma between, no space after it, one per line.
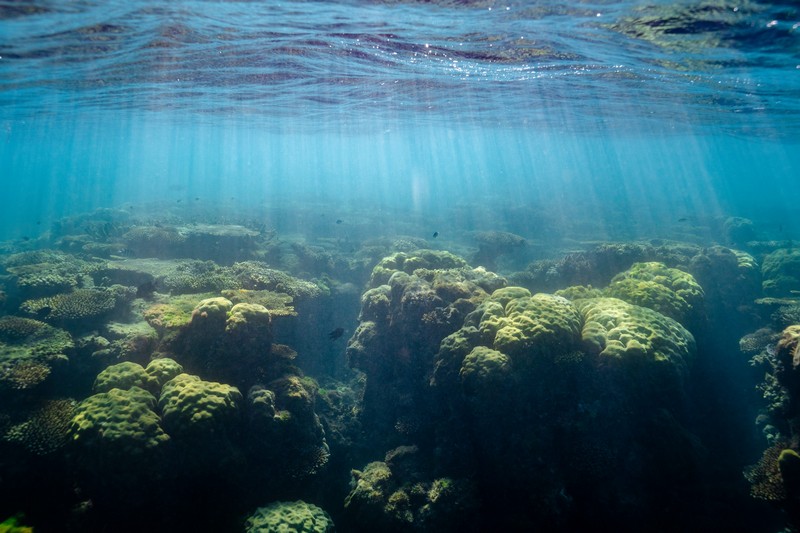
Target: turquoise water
(661,110)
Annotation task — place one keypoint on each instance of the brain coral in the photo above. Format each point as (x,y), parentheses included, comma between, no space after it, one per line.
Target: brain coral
(620,331)
(191,406)
(669,291)
(409,262)
(290,517)
(124,376)
(118,423)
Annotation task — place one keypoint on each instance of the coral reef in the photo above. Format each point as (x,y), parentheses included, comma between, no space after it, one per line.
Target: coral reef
(124,376)
(80,308)
(396,495)
(780,271)
(29,351)
(45,430)
(193,408)
(669,291)
(493,245)
(402,323)
(297,517)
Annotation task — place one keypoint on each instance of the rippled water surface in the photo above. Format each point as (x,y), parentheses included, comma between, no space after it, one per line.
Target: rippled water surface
(733,65)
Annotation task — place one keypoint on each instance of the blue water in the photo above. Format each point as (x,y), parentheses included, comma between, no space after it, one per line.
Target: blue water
(660,110)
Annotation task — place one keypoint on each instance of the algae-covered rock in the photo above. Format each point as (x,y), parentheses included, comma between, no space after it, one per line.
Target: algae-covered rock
(294,517)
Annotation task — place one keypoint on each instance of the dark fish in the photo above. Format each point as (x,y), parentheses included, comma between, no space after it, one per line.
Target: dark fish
(335,334)
(196,198)
(26,238)
(682,219)
(338,220)
(43,312)
(38,222)
(178,201)
(435,234)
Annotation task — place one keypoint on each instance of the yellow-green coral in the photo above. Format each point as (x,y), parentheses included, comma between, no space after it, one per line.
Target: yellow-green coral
(530,325)
(289,517)
(619,330)
(191,406)
(669,291)
(163,370)
(484,367)
(118,422)
(409,262)
(124,376)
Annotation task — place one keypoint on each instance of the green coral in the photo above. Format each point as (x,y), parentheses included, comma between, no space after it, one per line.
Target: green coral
(78,305)
(485,369)
(253,275)
(669,291)
(118,423)
(529,325)
(409,262)
(191,406)
(780,272)
(617,330)
(163,369)
(124,376)
(29,350)
(290,517)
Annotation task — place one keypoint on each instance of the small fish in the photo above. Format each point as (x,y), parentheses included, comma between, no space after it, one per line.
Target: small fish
(338,220)
(42,312)
(178,201)
(682,219)
(335,334)
(196,198)
(435,234)
(26,238)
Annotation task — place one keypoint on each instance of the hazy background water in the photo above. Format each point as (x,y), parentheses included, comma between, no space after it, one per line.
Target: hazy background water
(631,117)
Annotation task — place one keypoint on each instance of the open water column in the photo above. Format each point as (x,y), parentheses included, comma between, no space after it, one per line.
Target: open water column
(455,265)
